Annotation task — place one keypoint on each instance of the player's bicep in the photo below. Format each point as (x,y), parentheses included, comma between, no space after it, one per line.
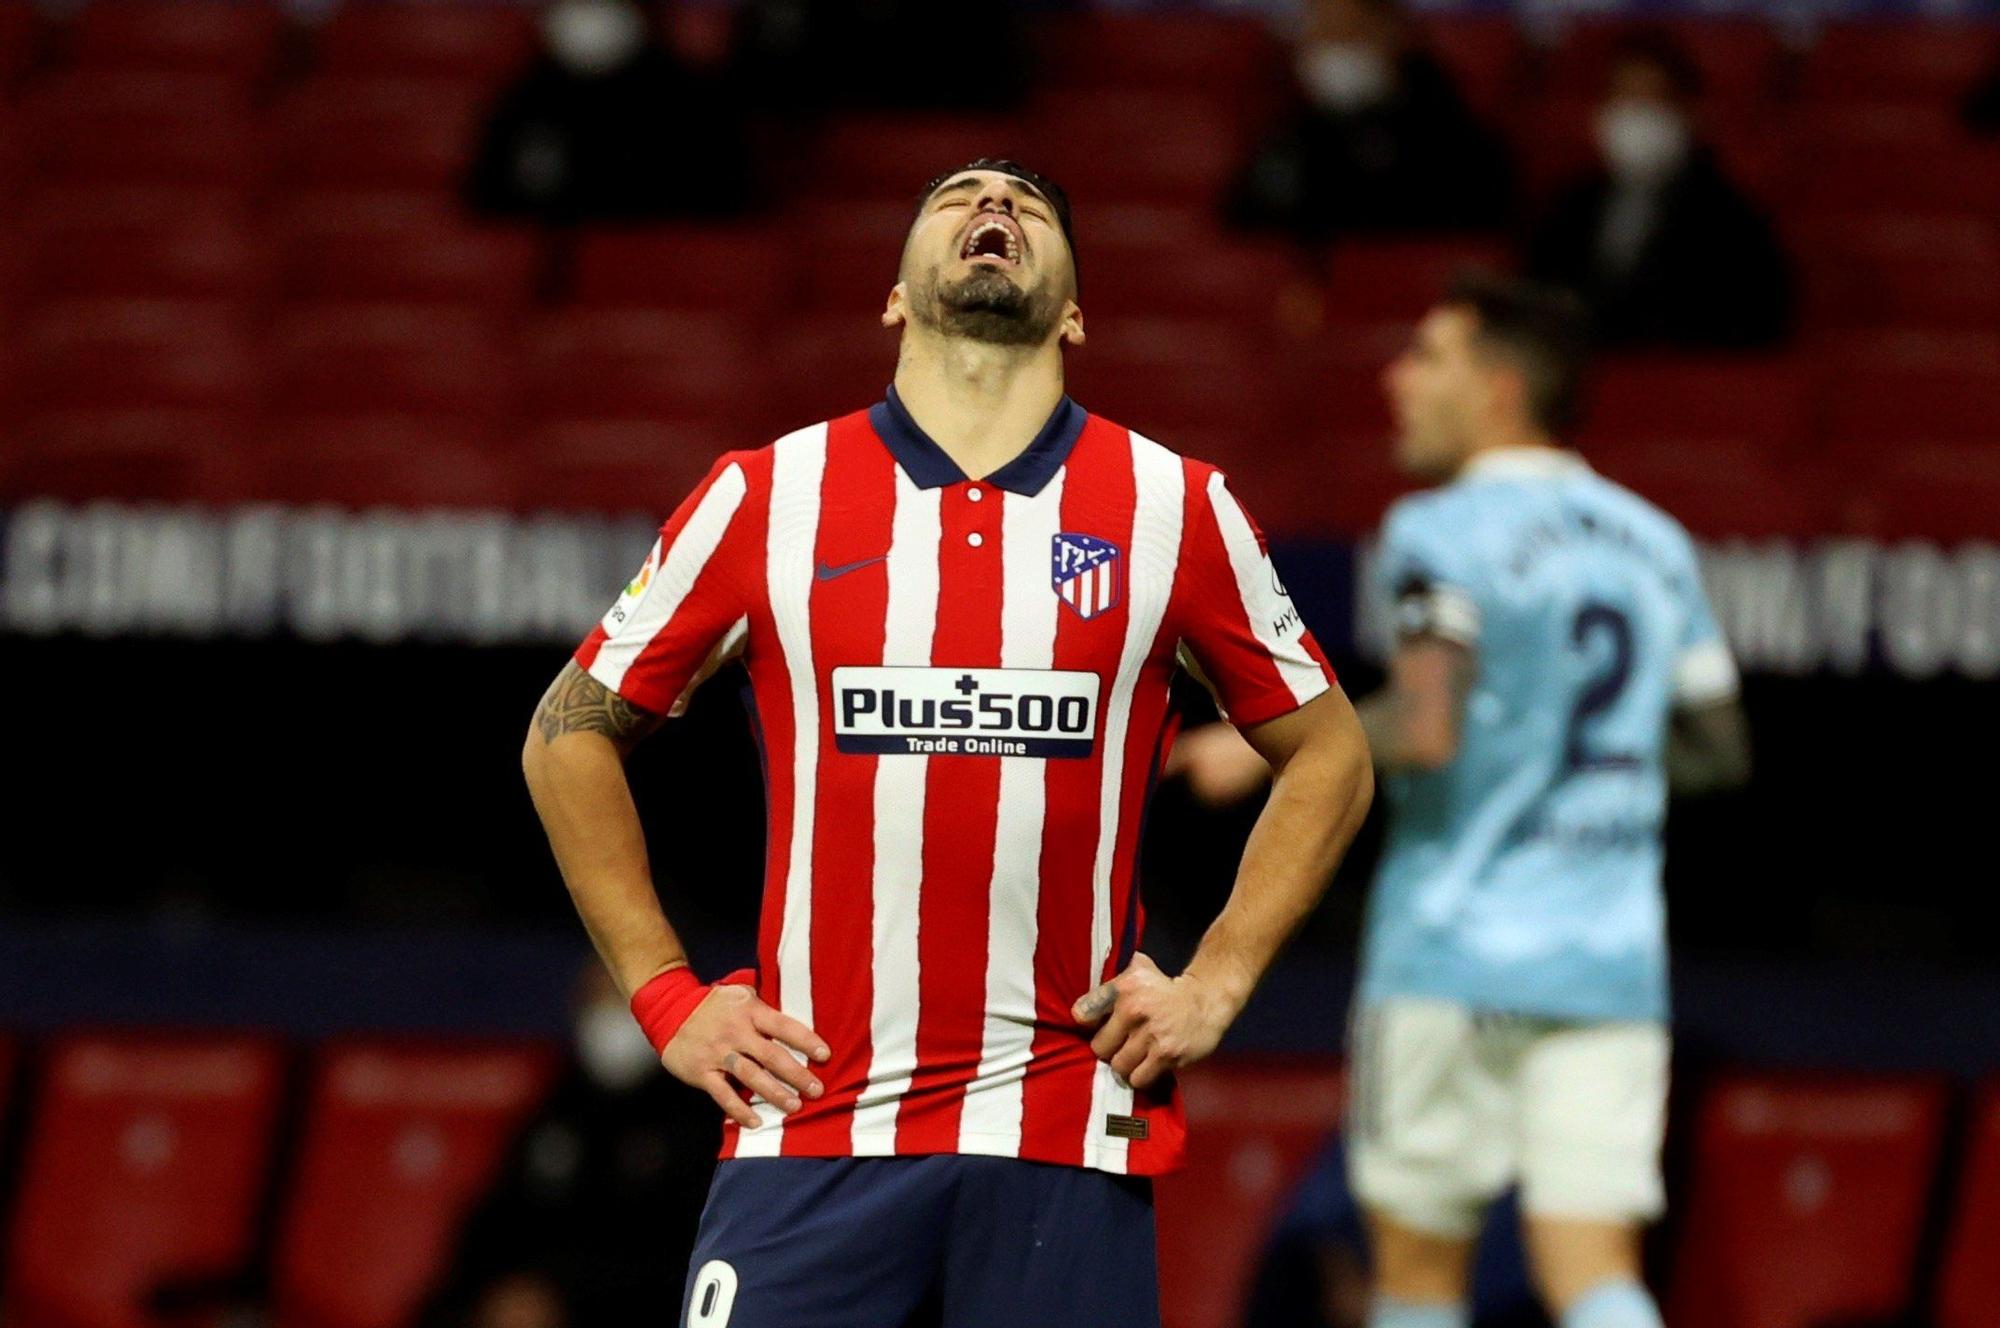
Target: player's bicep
(1708,746)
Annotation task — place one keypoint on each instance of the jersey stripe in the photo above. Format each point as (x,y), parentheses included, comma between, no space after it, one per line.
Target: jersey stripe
(680,564)
(908,627)
(1256,588)
(959,832)
(859,496)
(798,463)
(991,1122)
(1159,493)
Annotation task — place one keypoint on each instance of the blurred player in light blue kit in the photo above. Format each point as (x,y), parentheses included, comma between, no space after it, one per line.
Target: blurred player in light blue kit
(1555,666)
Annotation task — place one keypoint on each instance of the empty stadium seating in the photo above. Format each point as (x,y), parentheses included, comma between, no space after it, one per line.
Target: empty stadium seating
(147,1162)
(1807,1201)
(398,1140)
(195,185)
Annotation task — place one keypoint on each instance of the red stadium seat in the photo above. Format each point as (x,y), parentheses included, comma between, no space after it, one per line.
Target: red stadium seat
(626,465)
(1807,1201)
(1761,405)
(185,261)
(1384,280)
(466,42)
(1163,376)
(362,461)
(891,156)
(132,128)
(1177,263)
(1969,1286)
(20,39)
(136,354)
(640,363)
(1942,491)
(818,377)
(1879,268)
(393,359)
(147,1161)
(1143,146)
(1917,62)
(1869,156)
(135,456)
(1484,55)
(1182,50)
(447,263)
(378,133)
(1883,387)
(187,36)
(1258,1126)
(1739,58)
(740,269)
(398,1140)
(847,265)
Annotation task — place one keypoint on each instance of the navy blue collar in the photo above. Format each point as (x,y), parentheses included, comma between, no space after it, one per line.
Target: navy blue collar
(929,468)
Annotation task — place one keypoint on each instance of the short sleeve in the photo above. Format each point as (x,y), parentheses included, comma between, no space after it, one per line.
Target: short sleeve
(1240,631)
(686,612)
(1423,580)
(1704,670)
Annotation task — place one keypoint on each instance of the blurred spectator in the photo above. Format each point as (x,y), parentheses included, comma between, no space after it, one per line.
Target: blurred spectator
(594,1210)
(1375,137)
(810,55)
(1659,242)
(609,124)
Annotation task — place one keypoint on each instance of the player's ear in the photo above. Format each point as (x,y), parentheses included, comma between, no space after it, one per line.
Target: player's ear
(897,311)
(1072,324)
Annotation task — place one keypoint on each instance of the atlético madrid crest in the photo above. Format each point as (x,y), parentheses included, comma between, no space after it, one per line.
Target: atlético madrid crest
(1087,572)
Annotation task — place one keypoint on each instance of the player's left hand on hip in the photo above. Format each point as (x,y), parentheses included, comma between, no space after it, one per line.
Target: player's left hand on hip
(1149,1024)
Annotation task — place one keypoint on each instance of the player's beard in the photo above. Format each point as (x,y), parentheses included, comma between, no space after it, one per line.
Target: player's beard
(986,305)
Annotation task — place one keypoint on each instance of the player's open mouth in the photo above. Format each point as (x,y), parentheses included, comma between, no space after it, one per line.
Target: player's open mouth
(994,237)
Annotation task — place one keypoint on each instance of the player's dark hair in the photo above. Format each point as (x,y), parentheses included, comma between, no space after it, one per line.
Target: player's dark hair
(1658,47)
(1542,329)
(1058,196)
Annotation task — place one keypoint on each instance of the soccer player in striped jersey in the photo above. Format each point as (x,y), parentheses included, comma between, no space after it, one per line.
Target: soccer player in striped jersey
(951,1072)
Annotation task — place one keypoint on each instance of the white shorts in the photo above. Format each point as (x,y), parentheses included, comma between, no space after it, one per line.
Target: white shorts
(1448,1107)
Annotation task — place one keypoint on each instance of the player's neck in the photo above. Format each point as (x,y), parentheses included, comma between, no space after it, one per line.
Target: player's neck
(981,404)
(1507,439)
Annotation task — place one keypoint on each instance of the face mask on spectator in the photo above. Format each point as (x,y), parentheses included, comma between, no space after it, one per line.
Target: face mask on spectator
(611,1047)
(593,36)
(1643,140)
(1345,76)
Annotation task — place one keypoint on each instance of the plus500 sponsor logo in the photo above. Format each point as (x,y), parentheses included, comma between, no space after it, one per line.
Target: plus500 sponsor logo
(964,712)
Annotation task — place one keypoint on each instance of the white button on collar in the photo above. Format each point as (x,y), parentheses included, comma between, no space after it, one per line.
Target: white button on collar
(976,494)
(975,539)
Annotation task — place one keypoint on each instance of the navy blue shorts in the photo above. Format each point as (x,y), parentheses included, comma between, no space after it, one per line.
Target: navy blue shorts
(941,1242)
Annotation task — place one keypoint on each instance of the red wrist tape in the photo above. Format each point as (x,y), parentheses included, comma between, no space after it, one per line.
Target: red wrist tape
(663,1004)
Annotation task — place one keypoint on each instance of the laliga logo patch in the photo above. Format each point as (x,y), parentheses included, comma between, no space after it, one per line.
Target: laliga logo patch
(1087,573)
(635,590)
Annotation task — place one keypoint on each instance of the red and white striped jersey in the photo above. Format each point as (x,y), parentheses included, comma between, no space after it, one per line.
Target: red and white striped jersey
(961,687)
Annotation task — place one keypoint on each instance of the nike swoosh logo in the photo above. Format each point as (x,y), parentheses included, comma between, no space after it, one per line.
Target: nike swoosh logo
(826,573)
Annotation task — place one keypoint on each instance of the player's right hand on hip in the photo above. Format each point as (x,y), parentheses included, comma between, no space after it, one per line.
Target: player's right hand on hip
(733,1042)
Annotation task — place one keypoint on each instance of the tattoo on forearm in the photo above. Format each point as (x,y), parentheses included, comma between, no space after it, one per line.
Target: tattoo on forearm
(579,703)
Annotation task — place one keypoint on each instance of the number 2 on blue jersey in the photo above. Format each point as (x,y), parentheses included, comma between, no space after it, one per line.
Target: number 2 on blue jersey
(1596,621)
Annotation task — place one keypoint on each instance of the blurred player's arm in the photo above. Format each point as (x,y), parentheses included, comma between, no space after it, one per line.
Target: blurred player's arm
(1321,785)
(574,761)
(1413,722)
(1708,748)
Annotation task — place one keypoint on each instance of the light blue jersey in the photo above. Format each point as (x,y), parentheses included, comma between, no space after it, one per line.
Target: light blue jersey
(1525,875)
